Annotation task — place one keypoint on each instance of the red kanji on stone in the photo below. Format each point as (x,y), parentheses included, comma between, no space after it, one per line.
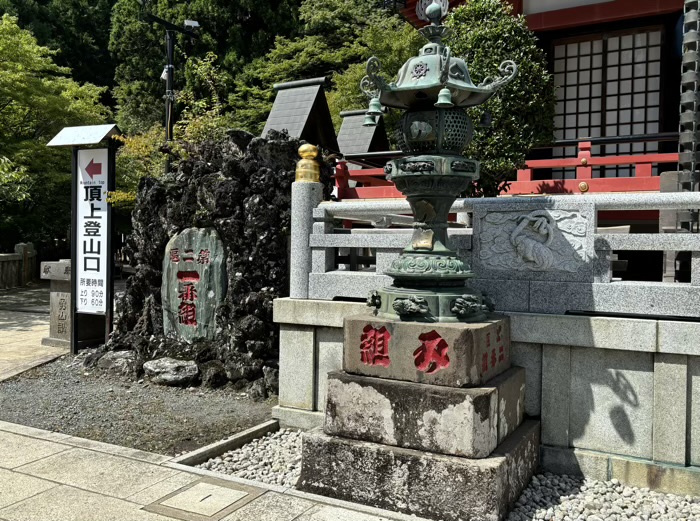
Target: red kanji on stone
(493,358)
(188,292)
(374,346)
(488,340)
(501,354)
(204,257)
(175,255)
(484,362)
(498,333)
(431,356)
(187,314)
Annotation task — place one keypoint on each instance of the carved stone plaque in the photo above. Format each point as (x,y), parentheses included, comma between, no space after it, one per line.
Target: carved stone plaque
(194,283)
(541,241)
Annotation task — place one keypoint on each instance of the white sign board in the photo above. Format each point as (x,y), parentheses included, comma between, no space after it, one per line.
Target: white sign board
(92,233)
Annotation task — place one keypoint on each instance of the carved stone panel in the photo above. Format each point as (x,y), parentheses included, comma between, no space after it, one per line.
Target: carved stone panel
(194,283)
(536,243)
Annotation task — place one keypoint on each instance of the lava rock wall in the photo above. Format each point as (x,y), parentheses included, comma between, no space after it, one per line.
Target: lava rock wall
(242,188)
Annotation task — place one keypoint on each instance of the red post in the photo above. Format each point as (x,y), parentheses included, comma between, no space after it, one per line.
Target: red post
(525,174)
(642,170)
(584,156)
(341,175)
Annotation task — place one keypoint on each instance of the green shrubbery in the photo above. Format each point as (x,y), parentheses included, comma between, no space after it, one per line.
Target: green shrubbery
(486,33)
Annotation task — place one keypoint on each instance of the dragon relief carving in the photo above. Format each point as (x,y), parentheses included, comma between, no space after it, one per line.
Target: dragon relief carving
(470,304)
(543,240)
(412,305)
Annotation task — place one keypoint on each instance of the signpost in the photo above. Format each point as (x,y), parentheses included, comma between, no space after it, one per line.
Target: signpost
(93,229)
(92,260)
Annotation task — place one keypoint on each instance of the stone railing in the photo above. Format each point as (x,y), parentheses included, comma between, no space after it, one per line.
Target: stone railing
(17,269)
(531,254)
(612,366)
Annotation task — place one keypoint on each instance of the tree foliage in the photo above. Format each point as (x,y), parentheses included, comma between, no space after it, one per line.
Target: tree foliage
(487,33)
(37,99)
(236,32)
(335,35)
(77,29)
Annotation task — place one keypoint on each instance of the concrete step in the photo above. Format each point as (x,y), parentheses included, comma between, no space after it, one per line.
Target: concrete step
(450,488)
(467,422)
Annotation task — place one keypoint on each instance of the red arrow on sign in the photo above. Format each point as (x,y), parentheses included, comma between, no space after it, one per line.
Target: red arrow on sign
(93,169)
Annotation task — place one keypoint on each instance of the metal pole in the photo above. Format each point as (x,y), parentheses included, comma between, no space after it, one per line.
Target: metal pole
(169,94)
(74,255)
(109,286)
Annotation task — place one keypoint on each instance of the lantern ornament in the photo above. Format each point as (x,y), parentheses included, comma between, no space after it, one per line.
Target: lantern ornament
(434,89)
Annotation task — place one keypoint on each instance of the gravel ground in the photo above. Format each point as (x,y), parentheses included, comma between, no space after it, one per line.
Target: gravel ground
(276,459)
(562,498)
(64,397)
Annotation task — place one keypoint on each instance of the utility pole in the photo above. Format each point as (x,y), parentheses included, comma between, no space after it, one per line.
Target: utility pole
(169,94)
(190,28)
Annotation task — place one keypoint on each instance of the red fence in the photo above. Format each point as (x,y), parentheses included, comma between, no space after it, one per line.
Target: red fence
(372,184)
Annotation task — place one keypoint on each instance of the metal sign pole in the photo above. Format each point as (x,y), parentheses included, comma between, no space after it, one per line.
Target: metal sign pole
(109,289)
(74,255)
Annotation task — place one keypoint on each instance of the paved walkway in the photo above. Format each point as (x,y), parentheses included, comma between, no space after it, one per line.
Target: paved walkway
(24,321)
(46,476)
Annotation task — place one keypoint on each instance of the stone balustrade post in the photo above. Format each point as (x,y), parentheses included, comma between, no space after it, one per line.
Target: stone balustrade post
(307,194)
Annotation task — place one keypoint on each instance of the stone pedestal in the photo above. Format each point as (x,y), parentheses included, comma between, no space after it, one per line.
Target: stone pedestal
(60,308)
(414,482)
(455,355)
(425,419)
(91,328)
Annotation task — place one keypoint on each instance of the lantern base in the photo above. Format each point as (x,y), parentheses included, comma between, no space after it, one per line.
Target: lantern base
(431,304)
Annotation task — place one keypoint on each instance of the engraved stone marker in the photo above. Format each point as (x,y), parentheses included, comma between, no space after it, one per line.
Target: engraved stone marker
(194,283)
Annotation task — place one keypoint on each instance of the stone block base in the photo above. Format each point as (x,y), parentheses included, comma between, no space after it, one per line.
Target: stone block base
(55,342)
(446,420)
(455,355)
(449,488)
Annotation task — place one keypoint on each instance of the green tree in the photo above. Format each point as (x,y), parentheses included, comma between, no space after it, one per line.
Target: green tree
(77,29)
(487,33)
(335,35)
(37,99)
(236,32)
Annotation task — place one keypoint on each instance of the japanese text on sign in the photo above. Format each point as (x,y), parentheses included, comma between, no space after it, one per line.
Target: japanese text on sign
(92,232)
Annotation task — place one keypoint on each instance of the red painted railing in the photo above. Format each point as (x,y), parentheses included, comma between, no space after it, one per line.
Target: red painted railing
(371,182)
(643,180)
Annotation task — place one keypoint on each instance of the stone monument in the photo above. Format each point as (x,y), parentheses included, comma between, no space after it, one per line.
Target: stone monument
(194,283)
(426,417)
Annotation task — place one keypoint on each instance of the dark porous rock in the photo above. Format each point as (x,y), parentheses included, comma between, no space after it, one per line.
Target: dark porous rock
(239,186)
(256,390)
(243,367)
(169,371)
(420,483)
(271,376)
(240,384)
(90,356)
(213,374)
(118,362)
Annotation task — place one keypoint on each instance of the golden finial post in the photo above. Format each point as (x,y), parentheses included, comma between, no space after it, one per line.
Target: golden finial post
(308,169)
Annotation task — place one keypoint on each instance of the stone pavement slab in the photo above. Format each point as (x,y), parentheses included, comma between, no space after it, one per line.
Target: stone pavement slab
(15,487)
(98,472)
(71,504)
(20,342)
(18,450)
(50,476)
(272,507)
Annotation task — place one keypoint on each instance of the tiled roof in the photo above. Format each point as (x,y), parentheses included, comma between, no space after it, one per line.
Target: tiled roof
(301,109)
